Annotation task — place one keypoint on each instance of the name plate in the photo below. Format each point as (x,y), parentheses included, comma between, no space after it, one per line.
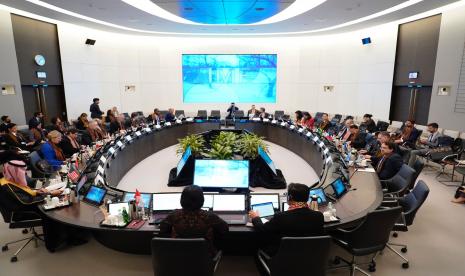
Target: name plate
(157,126)
(301,130)
(167,124)
(292,127)
(119,144)
(100,170)
(103,159)
(111,150)
(128,138)
(138,133)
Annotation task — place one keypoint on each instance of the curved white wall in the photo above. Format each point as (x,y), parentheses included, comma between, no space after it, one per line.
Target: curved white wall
(362,75)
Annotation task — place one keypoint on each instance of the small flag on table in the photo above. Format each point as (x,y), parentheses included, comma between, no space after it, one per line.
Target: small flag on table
(73,176)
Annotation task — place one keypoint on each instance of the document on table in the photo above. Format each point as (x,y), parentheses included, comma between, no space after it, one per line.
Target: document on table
(371,170)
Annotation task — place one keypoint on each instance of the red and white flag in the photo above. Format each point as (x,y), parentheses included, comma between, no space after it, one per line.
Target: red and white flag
(73,176)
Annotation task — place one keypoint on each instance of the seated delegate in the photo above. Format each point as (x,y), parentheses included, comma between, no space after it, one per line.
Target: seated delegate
(69,144)
(408,136)
(93,134)
(193,222)
(389,163)
(298,221)
(428,144)
(231,110)
(51,152)
(356,138)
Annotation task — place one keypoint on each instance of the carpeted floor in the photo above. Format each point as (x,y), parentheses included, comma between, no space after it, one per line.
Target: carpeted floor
(436,247)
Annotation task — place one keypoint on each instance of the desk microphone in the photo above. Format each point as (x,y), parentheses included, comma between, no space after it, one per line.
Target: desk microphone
(356,170)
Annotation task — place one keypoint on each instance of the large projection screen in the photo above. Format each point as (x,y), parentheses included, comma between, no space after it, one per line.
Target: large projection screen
(226,78)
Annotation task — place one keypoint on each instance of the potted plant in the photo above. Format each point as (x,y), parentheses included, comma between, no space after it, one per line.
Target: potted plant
(247,145)
(195,142)
(223,146)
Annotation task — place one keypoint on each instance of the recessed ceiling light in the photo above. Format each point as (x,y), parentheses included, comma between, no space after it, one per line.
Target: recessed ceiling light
(259,9)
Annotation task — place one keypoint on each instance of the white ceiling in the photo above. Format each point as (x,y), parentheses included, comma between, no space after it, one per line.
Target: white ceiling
(329,14)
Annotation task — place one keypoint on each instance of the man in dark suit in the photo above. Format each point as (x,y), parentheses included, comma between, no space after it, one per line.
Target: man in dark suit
(4,124)
(389,163)
(356,138)
(95,112)
(36,120)
(231,110)
(263,113)
(428,144)
(169,117)
(298,221)
(253,112)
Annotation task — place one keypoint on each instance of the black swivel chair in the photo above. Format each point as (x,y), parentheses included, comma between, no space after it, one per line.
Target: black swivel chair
(370,237)
(399,183)
(239,114)
(39,167)
(178,113)
(193,253)
(279,114)
(410,204)
(298,256)
(215,114)
(18,217)
(202,114)
(382,126)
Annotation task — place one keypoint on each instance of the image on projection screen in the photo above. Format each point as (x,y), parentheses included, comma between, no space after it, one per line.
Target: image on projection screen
(229,78)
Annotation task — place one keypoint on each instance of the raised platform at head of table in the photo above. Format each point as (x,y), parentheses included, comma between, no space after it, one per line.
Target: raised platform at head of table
(365,196)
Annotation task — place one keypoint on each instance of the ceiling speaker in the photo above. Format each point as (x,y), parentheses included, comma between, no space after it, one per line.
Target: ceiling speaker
(90,41)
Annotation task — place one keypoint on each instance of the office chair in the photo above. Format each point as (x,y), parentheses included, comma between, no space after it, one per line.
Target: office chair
(452,152)
(370,237)
(18,217)
(418,167)
(215,114)
(194,254)
(202,114)
(178,113)
(410,204)
(279,114)
(298,256)
(399,183)
(239,114)
(39,167)
(382,126)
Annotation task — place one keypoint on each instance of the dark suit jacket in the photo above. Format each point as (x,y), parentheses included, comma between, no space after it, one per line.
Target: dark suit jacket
(34,122)
(231,110)
(95,111)
(20,141)
(67,147)
(169,117)
(390,167)
(359,142)
(301,222)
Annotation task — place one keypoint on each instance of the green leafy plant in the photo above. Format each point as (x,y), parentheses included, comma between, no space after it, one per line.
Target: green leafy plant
(223,146)
(247,145)
(220,151)
(195,142)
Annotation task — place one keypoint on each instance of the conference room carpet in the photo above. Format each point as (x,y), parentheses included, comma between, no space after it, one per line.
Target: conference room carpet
(436,247)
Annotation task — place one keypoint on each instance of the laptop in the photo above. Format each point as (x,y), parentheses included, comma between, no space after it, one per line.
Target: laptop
(339,188)
(95,195)
(163,204)
(322,199)
(231,208)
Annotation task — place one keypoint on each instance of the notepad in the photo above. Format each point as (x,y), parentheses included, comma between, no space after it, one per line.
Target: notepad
(371,170)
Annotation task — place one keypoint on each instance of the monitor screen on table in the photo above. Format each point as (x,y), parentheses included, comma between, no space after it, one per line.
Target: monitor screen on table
(182,162)
(263,198)
(267,159)
(229,202)
(145,197)
(221,173)
(166,202)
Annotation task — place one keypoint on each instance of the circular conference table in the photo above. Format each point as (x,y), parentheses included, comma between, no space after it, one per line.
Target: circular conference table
(364,196)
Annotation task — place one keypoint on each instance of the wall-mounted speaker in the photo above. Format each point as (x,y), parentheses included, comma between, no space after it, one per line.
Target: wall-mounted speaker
(90,41)
(366,40)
